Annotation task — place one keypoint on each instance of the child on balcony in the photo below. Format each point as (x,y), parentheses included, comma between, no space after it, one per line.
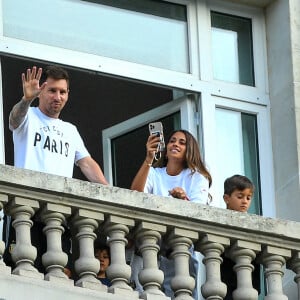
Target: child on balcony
(103,255)
(238,193)
(179,173)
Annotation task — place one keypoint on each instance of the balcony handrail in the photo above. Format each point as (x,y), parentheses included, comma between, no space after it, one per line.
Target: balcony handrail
(151,220)
(93,196)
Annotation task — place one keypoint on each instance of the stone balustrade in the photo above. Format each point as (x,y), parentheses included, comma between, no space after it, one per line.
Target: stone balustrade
(156,224)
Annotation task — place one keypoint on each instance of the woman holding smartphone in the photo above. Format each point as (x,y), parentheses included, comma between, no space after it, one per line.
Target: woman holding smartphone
(180,171)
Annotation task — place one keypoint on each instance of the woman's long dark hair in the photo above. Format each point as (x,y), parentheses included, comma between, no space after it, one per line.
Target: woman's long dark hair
(193,160)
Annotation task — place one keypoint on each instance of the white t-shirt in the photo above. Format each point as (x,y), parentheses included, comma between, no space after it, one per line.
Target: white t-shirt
(47,145)
(195,184)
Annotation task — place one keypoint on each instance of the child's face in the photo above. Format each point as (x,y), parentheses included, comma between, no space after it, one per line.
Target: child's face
(103,257)
(239,200)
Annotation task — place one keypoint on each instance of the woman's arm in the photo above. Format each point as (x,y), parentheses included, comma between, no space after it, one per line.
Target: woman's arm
(199,189)
(139,181)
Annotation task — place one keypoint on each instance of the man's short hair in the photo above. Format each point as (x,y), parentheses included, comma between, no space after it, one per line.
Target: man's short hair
(55,72)
(237,182)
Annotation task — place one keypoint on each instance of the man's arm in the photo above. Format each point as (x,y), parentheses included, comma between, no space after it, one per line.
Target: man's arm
(18,113)
(91,170)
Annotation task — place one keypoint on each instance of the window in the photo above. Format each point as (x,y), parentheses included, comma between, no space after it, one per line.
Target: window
(238,149)
(127,31)
(208,48)
(232,52)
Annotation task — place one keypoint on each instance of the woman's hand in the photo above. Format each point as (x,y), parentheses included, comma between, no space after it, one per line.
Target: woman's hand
(151,146)
(179,193)
(140,179)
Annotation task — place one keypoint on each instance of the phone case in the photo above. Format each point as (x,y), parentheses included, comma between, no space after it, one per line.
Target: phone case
(157,129)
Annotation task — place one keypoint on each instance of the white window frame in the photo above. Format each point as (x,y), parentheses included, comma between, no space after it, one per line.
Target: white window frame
(256,94)
(113,66)
(198,13)
(264,145)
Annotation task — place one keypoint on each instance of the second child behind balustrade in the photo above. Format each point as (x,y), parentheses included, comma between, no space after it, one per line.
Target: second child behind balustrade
(179,173)
(103,255)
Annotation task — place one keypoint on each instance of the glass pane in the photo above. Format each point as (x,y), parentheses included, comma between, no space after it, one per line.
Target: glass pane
(142,37)
(153,7)
(250,146)
(237,151)
(129,150)
(228,124)
(232,50)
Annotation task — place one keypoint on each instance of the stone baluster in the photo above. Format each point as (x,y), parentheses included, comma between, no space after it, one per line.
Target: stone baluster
(180,241)
(23,254)
(243,253)
(116,228)
(87,266)
(148,236)
(212,246)
(294,264)
(3,268)
(54,260)
(273,259)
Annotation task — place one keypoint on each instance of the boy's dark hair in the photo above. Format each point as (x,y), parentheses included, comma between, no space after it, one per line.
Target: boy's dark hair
(237,182)
(55,72)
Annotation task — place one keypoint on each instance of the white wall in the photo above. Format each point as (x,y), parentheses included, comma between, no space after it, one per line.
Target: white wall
(283,111)
(283,58)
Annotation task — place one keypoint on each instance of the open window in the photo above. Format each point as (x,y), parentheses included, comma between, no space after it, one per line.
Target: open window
(124,143)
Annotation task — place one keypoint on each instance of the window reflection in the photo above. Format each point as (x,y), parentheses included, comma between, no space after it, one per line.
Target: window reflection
(232,50)
(153,33)
(237,151)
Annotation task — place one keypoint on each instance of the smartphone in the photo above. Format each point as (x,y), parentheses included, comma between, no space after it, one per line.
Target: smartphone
(156,128)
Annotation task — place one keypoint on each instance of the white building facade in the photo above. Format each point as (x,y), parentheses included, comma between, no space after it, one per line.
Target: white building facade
(227,71)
